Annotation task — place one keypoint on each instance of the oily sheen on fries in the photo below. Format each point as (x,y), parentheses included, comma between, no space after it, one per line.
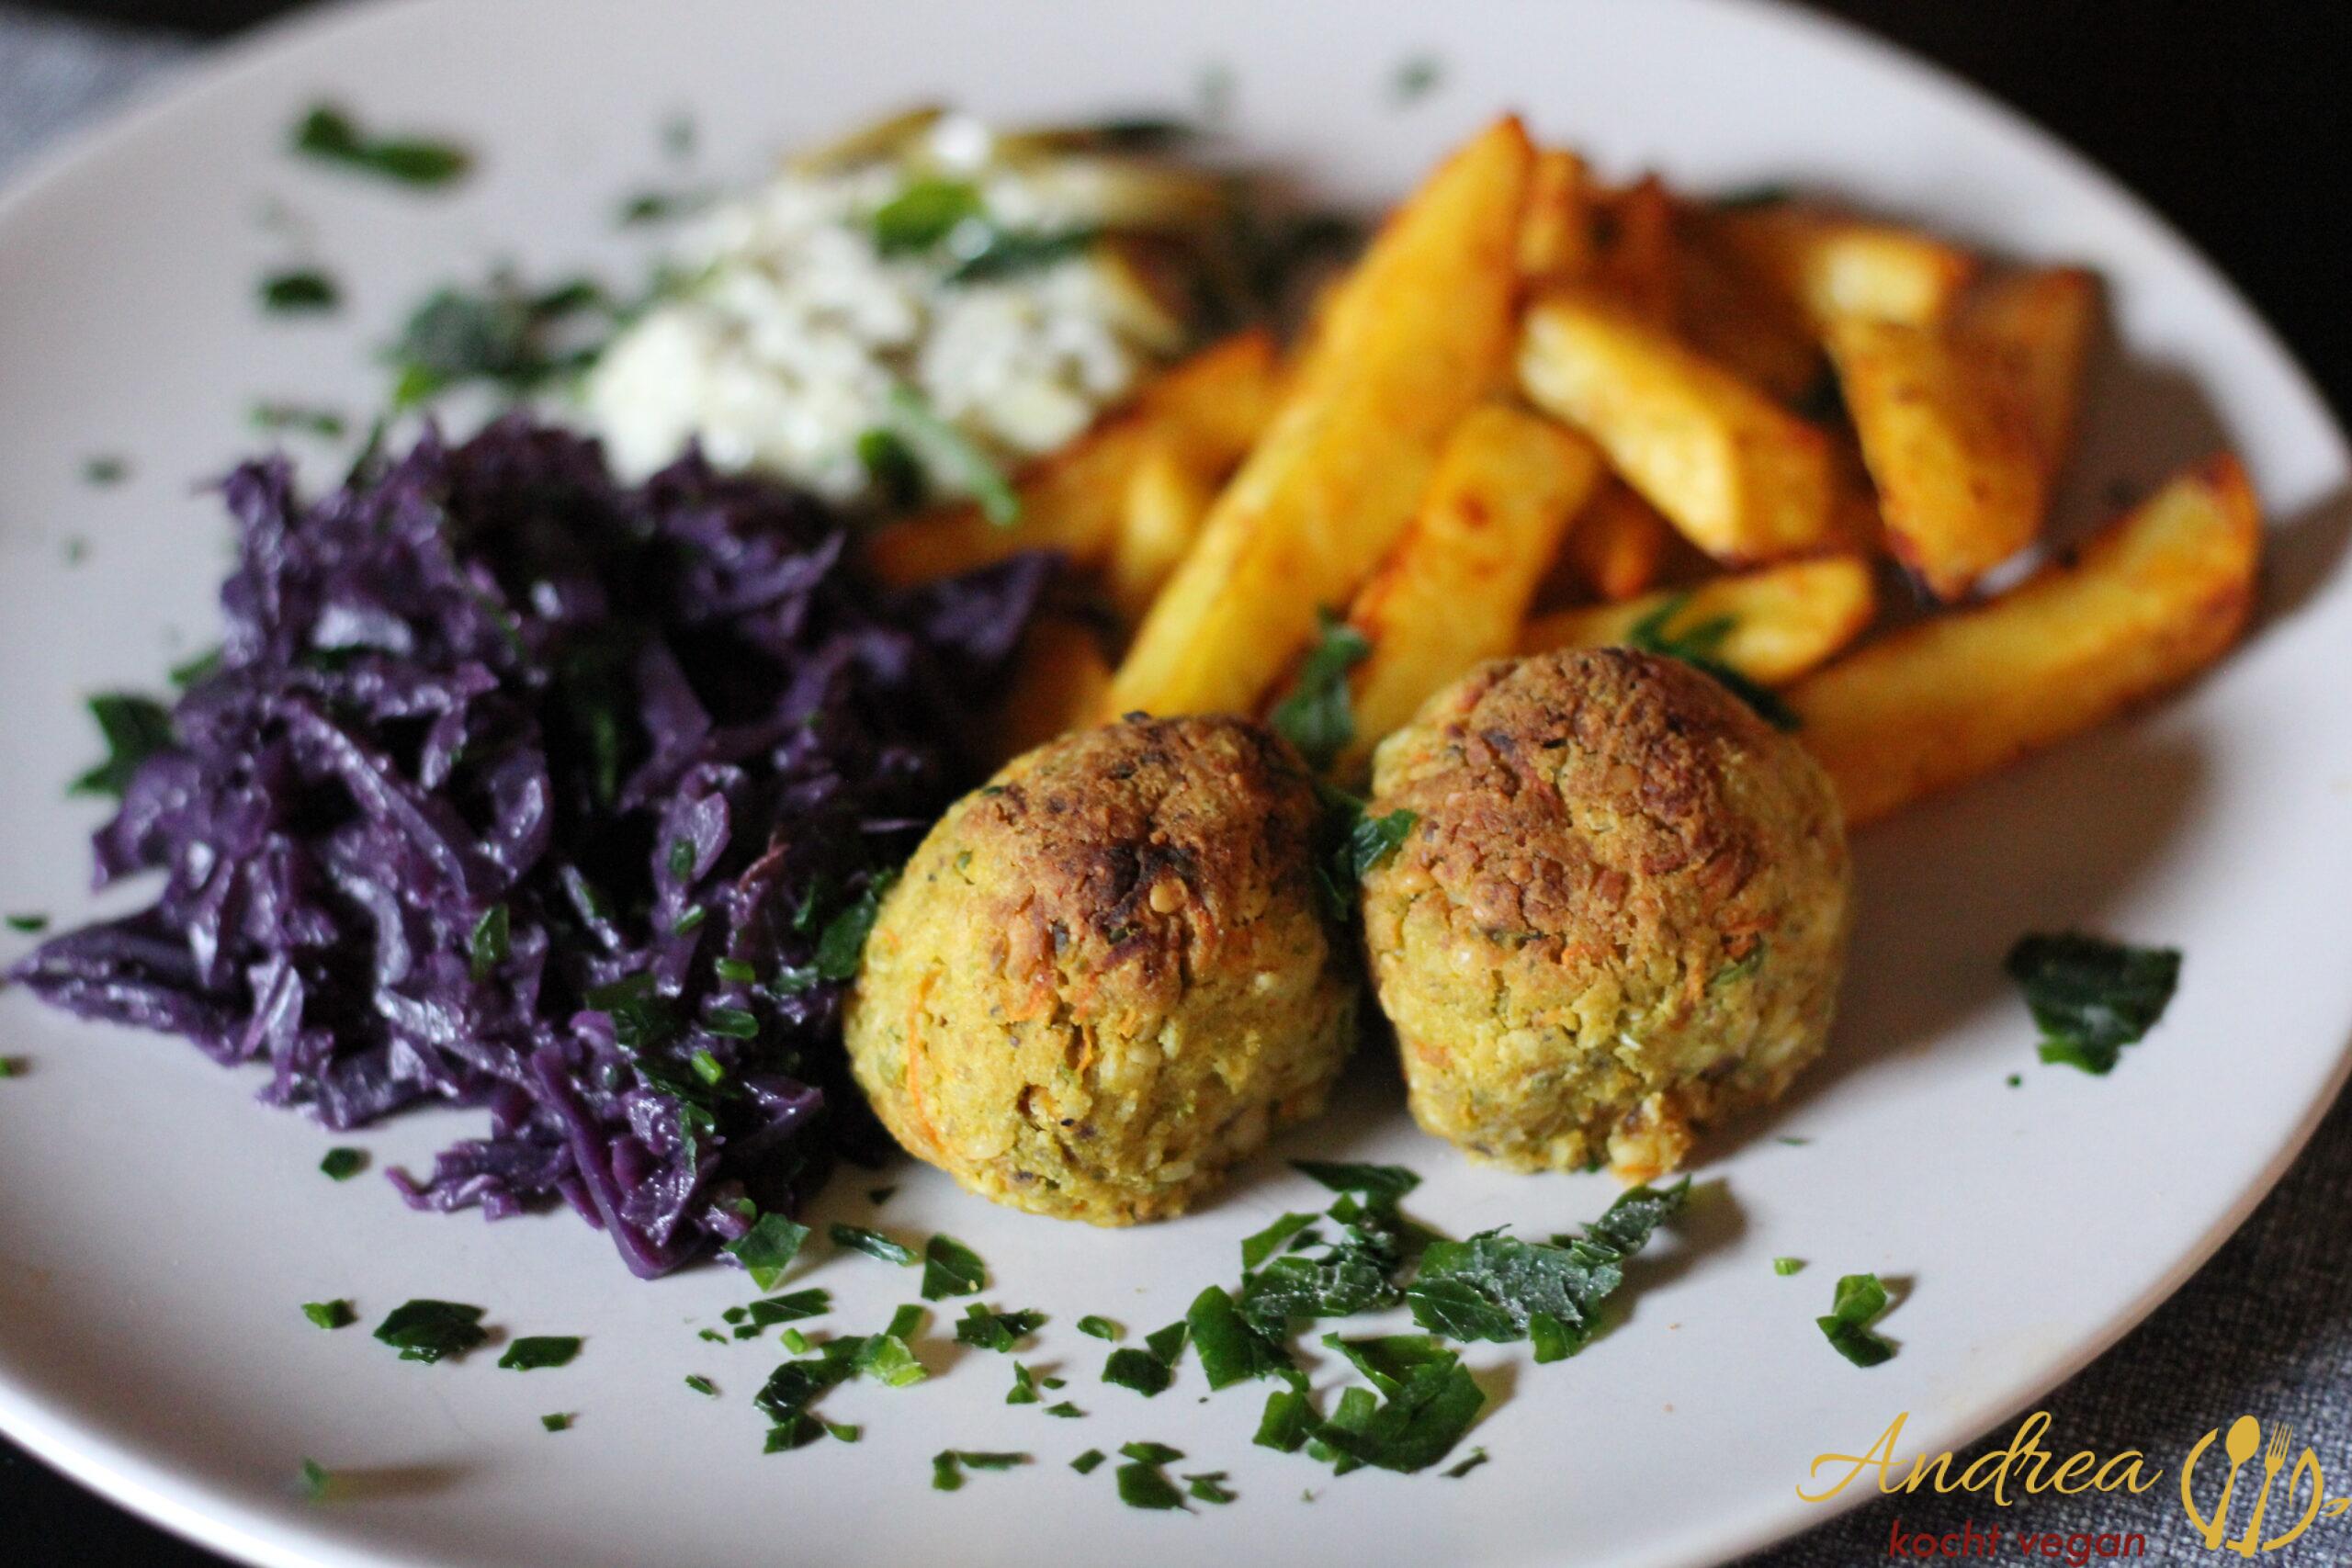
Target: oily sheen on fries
(1415,339)
(1784,620)
(1210,409)
(1741,477)
(1950,443)
(1455,589)
(1832,267)
(2154,597)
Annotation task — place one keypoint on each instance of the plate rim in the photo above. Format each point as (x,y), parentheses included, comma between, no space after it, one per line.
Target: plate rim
(118,1472)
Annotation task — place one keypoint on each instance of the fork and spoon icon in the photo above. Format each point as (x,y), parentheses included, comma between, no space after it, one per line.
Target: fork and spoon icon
(2245,1436)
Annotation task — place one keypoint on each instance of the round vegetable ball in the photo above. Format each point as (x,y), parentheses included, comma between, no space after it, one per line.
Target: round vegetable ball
(1104,977)
(1620,914)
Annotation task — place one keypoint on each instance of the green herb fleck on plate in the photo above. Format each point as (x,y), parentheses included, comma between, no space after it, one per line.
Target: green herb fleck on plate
(336,1314)
(105,469)
(1860,1300)
(951,1269)
(541,1352)
(1785,1267)
(29,924)
(134,728)
(1477,1457)
(299,290)
(329,133)
(767,1249)
(342,1165)
(1000,1331)
(1414,79)
(559,1422)
(1085,1463)
(426,1330)
(2091,997)
(873,1244)
(277,418)
(1137,1370)
(1098,1327)
(314,1480)
(702,1386)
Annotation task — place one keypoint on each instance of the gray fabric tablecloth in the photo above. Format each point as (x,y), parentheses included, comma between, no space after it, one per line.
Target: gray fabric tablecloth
(2266,1329)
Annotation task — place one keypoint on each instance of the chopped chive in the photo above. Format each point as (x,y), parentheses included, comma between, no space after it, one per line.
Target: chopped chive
(1787,1266)
(1100,1328)
(702,1386)
(1085,1463)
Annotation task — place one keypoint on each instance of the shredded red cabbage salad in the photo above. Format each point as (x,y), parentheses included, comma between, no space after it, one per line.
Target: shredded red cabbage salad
(516,787)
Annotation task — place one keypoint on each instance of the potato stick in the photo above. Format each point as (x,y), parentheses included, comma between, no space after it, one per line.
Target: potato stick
(1637,263)
(1059,681)
(1741,477)
(2154,597)
(1167,498)
(1457,586)
(1834,267)
(1735,318)
(1556,235)
(1950,445)
(1784,620)
(1415,339)
(2038,325)
(1211,406)
(1615,547)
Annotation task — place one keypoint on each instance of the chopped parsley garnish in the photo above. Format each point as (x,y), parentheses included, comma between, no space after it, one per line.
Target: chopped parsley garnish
(1477,1457)
(1231,1351)
(1860,1300)
(769,1311)
(488,947)
(1701,646)
(951,1269)
(541,1352)
(946,1475)
(336,1314)
(329,134)
(1256,1249)
(1099,1327)
(1384,1185)
(1317,717)
(767,1249)
(342,1165)
(945,449)
(1139,1370)
(1499,1287)
(426,1330)
(105,469)
(1288,1419)
(1086,1463)
(660,205)
(1209,1488)
(516,339)
(2091,997)
(841,945)
(2016,1080)
(1143,1484)
(1414,79)
(1064,1409)
(297,290)
(1001,1331)
(135,729)
(891,467)
(1430,1401)
(12,1066)
(888,1357)
(28,924)
(715,1337)
(274,418)
(1024,1387)
(314,1480)
(923,213)
(1785,1267)
(559,1422)
(1009,251)
(873,1243)
(1348,842)
(1167,1344)
(701,1385)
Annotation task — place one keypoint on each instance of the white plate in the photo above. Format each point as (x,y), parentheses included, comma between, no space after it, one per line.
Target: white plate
(157,1232)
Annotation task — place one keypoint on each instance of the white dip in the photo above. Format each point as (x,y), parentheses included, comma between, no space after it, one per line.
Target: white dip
(788,344)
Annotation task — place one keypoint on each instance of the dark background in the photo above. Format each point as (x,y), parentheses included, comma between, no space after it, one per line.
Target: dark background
(2234,119)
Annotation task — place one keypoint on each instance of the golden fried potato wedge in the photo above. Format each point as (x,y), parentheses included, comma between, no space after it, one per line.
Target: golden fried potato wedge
(1833,266)
(1167,497)
(1741,322)
(1637,259)
(2038,325)
(2154,597)
(1555,231)
(1950,445)
(1417,338)
(1615,548)
(1741,477)
(1210,408)
(1780,622)
(1059,678)
(1457,586)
